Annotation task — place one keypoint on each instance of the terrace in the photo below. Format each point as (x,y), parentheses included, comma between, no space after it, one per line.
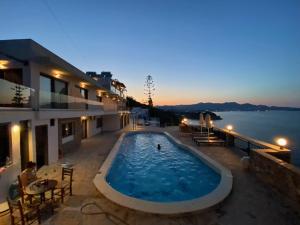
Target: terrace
(251,201)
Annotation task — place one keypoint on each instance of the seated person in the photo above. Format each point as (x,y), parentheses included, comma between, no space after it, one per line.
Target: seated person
(29,174)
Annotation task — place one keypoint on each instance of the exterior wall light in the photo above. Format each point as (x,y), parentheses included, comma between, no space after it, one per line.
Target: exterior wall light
(282,142)
(83,118)
(82,84)
(4,64)
(15,128)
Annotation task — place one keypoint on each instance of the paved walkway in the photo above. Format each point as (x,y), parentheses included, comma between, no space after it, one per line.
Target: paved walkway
(250,202)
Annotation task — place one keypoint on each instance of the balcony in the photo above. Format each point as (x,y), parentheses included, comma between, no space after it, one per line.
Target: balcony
(116,91)
(15,95)
(51,100)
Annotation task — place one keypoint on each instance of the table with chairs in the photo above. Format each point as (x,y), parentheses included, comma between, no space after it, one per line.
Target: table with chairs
(37,195)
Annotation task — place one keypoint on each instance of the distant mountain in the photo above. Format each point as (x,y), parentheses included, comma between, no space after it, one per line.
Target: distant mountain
(227,106)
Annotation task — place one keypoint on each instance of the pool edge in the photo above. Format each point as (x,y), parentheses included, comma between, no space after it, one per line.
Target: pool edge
(172,208)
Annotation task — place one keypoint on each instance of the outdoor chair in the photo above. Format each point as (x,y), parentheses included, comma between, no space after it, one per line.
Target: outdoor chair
(25,199)
(22,214)
(65,185)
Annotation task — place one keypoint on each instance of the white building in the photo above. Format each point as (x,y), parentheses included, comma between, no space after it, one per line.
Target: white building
(47,106)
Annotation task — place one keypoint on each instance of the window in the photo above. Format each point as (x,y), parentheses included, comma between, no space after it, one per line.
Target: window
(45,92)
(52,122)
(4,144)
(51,91)
(84,93)
(99,98)
(99,122)
(60,87)
(67,129)
(12,75)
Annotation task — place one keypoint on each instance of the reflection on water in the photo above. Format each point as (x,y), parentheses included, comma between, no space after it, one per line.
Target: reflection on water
(266,126)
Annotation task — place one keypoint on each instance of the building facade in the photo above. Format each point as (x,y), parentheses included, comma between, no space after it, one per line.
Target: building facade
(48,106)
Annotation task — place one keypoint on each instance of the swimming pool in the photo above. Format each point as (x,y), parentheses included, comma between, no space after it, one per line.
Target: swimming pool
(170,180)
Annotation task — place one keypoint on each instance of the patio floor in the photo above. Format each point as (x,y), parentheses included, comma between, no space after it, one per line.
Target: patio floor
(250,202)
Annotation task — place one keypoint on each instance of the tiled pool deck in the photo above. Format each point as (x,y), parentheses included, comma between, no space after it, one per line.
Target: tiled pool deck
(249,203)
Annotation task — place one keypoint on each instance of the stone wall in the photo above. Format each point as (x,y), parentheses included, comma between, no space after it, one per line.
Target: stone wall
(282,176)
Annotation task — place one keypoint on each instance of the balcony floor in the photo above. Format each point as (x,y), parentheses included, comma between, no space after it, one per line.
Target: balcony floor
(250,202)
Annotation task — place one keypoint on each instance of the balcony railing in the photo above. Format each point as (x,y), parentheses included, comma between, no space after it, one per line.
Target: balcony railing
(116,91)
(123,108)
(51,100)
(15,95)
(110,107)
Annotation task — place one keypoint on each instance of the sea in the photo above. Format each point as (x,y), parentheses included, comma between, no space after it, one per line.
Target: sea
(266,126)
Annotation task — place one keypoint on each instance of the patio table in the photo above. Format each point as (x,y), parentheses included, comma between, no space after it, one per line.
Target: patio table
(40,187)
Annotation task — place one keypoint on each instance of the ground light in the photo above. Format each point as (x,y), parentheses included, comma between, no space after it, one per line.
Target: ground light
(282,142)
(184,120)
(229,127)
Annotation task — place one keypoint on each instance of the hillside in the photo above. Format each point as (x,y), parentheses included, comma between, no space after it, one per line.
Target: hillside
(227,106)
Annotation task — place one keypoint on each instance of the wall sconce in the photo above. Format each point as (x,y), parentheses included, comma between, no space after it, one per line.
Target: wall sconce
(82,84)
(16,128)
(3,64)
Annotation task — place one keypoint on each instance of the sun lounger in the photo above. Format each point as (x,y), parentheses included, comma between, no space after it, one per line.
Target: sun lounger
(205,138)
(210,142)
(202,134)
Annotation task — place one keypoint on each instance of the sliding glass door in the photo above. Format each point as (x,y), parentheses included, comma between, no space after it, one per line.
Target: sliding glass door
(45,92)
(53,93)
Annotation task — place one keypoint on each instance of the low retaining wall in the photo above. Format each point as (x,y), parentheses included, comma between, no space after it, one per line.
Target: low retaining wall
(282,176)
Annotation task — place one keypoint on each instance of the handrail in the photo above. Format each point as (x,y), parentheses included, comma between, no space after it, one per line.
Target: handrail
(252,141)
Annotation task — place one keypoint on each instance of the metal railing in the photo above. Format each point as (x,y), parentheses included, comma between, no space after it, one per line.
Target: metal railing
(243,142)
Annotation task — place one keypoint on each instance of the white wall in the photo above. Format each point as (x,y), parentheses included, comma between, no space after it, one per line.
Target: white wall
(109,105)
(52,140)
(111,122)
(92,127)
(11,173)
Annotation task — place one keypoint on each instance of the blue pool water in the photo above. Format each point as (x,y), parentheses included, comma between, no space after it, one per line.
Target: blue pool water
(170,174)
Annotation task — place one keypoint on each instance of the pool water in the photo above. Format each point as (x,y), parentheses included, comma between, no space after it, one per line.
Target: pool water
(170,174)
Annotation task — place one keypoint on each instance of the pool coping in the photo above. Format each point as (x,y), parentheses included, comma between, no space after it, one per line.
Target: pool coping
(169,208)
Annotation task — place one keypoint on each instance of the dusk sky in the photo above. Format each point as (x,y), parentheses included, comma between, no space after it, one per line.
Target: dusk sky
(196,51)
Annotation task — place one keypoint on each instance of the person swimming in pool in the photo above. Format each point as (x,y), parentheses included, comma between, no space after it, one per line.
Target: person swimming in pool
(158,147)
